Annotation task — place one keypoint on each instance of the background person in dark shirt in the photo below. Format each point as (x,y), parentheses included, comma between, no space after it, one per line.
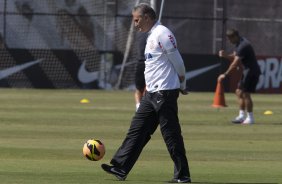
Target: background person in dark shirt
(243,55)
(139,74)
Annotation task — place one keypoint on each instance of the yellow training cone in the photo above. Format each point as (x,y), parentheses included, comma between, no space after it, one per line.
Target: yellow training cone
(268,113)
(84,100)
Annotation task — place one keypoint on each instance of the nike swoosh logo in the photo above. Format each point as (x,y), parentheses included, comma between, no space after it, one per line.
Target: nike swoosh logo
(113,170)
(197,72)
(84,76)
(12,70)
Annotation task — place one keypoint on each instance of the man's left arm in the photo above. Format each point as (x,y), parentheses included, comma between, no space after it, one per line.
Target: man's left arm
(169,46)
(176,60)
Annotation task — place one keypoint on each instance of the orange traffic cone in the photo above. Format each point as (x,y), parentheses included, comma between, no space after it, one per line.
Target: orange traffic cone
(219,100)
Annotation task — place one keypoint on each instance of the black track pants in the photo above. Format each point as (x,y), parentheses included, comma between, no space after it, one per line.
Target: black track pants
(155,108)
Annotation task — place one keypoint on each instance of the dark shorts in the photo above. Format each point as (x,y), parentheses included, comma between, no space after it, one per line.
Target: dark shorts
(139,76)
(248,83)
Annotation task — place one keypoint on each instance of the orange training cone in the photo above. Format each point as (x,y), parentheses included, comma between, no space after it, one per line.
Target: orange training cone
(219,100)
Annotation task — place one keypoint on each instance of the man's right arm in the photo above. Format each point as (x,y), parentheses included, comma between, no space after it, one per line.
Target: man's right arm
(229,57)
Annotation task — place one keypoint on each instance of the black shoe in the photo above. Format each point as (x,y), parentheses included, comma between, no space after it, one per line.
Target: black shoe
(236,121)
(120,174)
(181,180)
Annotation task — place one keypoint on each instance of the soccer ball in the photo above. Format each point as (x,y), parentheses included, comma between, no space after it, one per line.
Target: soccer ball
(93,150)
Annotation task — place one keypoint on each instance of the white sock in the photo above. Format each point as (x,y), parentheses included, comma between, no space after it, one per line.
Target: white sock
(241,114)
(137,106)
(250,115)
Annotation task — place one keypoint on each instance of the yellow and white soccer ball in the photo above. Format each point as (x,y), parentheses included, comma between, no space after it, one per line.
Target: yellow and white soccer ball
(94,150)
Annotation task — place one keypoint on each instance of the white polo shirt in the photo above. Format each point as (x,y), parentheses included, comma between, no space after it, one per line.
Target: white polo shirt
(159,71)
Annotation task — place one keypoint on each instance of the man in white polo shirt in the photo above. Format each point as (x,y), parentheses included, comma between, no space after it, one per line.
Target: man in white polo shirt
(165,78)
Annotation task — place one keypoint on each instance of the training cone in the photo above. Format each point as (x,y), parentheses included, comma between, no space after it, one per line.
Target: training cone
(268,113)
(84,101)
(219,100)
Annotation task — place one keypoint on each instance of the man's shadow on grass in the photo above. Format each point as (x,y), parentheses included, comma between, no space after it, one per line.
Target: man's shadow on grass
(197,182)
(232,183)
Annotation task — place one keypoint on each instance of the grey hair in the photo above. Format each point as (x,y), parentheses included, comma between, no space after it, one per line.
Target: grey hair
(146,9)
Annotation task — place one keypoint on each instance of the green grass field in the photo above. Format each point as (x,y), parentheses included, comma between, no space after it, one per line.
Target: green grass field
(42,133)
